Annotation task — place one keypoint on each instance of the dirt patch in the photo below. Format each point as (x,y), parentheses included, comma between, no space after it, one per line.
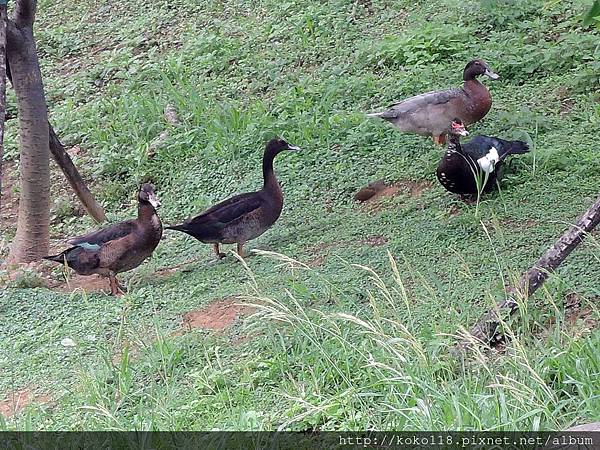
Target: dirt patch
(414,188)
(524,224)
(577,316)
(566,102)
(320,252)
(371,195)
(375,241)
(16,401)
(166,272)
(318,248)
(454,211)
(91,283)
(25,275)
(579,320)
(316,262)
(218,315)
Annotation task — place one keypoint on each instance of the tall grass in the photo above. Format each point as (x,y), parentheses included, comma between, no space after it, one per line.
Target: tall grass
(380,371)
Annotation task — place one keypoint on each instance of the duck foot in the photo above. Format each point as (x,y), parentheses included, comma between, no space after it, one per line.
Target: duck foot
(220,255)
(240,250)
(116,289)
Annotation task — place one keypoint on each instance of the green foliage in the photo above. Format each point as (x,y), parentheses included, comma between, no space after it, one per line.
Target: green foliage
(420,47)
(593,15)
(330,345)
(25,279)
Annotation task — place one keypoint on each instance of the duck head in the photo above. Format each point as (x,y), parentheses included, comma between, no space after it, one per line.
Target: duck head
(278,145)
(457,128)
(147,194)
(478,67)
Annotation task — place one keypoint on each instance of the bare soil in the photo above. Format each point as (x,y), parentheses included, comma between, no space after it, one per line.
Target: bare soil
(16,401)
(381,190)
(218,315)
(91,283)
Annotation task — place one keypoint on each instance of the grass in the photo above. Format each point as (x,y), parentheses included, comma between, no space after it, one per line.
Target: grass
(345,335)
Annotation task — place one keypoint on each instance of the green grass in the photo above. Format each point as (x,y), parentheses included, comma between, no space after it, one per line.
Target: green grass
(361,340)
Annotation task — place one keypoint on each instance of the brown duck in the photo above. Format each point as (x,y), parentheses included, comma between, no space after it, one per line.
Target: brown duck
(245,216)
(429,114)
(118,248)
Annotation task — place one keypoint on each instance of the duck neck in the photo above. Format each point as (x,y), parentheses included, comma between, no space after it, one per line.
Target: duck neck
(270,180)
(473,85)
(145,211)
(454,143)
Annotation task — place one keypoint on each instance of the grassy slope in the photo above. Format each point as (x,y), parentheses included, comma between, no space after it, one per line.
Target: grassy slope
(238,74)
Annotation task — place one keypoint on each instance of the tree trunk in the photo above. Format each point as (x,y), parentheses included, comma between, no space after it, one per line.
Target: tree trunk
(485,330)
(32,237)
(64,161)
(2,87)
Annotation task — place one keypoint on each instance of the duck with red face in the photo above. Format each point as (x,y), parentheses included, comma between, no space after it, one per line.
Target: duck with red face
(472,168)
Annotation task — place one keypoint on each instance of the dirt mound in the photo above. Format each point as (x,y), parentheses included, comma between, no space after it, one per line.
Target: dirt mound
(378,190)
(218,315)
(91,283)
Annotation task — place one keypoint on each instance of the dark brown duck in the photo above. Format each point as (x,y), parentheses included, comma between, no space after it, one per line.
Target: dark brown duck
(118,248)
(243,217)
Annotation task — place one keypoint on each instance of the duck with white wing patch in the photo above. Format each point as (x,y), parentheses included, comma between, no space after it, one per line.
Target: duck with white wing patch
(470,168)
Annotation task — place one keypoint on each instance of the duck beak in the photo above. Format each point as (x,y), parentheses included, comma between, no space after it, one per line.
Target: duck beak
(153,199)
(293,148)
(491,74)
(463,132)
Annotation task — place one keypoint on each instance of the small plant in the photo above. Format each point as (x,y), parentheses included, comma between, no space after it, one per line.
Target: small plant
(26,279)
(592,17)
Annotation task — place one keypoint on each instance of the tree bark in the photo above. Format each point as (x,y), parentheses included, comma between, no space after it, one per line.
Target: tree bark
(32,238)
(65,163)
(485,330)
(3,20)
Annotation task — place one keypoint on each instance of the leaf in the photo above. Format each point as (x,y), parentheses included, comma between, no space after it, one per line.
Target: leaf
(593,14)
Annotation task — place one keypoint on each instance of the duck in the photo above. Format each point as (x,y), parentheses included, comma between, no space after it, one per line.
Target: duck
(429,114)
(472,168)
(243,217)
(118,248)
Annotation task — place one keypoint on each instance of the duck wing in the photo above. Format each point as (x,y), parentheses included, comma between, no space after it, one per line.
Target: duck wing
(105,235)
(480,146)
(83,261)
(419,102)
(210,223)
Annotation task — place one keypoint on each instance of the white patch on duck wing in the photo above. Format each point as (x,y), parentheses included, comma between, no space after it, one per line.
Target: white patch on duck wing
(88,246)
(489,161)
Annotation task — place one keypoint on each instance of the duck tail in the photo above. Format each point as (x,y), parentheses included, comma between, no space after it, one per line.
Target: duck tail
(60,258)
(181,228)
(517,147)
